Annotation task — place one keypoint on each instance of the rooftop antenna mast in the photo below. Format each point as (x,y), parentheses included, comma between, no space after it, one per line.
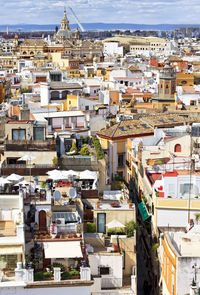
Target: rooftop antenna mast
(77,20)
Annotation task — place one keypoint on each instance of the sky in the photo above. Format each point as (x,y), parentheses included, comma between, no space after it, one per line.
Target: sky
(107,11)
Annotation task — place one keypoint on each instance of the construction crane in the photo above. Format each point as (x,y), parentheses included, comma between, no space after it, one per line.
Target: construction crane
(77,20)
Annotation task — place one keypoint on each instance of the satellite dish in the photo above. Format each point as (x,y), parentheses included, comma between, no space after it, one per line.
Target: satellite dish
(72,192)
(57,195)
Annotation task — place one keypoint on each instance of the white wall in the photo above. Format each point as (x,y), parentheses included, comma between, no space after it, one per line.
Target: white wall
(44,94)
(97,123)
(113,48)
(185,273)
(114,262)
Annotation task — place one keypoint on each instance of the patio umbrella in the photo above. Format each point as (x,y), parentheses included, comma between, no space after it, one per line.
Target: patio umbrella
(26,158)
(52,172)
(14,177)
(115,224)
(70,172)
(87,174)
(4,181)
(56,175)
(24,182)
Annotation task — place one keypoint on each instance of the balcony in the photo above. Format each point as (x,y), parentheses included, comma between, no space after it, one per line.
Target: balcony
(30,145)
(128,165)
(24,170)
(7,229)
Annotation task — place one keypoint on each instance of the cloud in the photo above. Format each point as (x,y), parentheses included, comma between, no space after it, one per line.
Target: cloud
(130,11)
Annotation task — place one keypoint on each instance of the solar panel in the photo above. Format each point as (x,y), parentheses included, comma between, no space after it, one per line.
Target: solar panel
(145,126)
(172,119)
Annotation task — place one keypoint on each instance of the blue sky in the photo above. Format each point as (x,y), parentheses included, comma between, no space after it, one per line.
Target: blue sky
(109,11)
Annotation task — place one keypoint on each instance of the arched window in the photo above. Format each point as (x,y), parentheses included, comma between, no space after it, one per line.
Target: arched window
(177,148)
(24,52)
(31,53)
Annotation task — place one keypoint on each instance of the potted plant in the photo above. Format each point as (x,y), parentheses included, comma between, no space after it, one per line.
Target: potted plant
(98,204)
(193,285)
(115,204)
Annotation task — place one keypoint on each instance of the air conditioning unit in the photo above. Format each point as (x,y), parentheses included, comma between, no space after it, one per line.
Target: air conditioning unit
(60,221)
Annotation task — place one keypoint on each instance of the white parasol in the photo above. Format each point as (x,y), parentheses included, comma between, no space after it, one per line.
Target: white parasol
(115,224)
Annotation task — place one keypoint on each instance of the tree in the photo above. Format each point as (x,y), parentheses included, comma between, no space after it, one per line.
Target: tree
(74,148)
(55,161)
(84,151)
(131,226)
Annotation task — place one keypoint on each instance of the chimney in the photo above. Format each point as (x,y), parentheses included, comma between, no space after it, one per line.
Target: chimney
(24,115)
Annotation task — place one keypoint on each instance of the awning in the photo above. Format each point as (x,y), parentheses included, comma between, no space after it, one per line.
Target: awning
(143,211)
(11,250)
(62,249)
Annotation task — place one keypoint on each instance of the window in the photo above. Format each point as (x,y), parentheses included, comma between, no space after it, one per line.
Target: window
(86,108)
(101,222)
(123,259)
(8,261)
(177,148)
(172,279)
(18,134)
(121,160)
(38,133)
(186,188)
(104,270)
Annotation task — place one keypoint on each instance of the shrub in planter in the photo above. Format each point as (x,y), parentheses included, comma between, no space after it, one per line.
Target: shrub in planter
(74,148)
(47,274)
(131,226)
(91,227)
(84,151)
(74,273)
(65,275)
(111,232)
(38,276)
(120,231)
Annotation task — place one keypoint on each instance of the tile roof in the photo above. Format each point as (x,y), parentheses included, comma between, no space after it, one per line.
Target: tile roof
(165,120)
(65,85)
(127,128)
(34,42)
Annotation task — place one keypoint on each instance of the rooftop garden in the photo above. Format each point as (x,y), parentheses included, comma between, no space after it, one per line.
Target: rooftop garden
(87,146)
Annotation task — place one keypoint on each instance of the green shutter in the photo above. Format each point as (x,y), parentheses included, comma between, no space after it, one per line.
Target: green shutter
(143,211)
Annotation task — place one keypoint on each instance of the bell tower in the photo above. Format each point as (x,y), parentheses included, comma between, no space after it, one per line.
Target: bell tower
(65,22)
(167,83)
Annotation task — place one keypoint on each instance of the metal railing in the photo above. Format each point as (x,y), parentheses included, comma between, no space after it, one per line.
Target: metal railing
(66,228)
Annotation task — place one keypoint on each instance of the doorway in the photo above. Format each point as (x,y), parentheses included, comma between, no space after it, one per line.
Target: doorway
(101,222)
(42,220)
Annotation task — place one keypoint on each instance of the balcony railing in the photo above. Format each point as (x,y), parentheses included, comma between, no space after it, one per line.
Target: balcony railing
(128,164)
(24,170)
(66,228)
(30,145)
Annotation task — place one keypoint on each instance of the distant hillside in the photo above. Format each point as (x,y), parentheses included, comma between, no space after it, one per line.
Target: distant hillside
(95,27)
